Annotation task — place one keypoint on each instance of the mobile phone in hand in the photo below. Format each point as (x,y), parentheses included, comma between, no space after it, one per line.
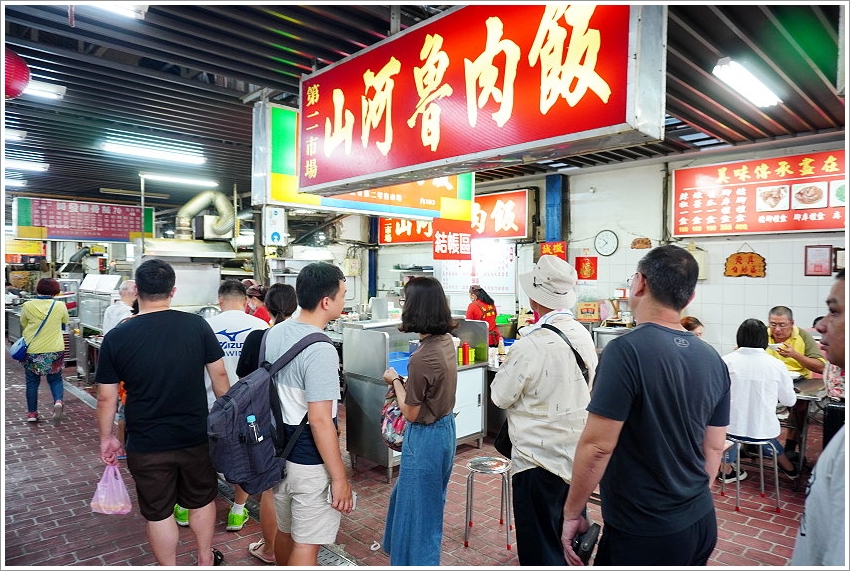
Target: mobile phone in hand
(584,543)
(353,498)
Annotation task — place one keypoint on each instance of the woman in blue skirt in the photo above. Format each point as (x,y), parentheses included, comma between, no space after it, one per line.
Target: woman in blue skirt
(414,527)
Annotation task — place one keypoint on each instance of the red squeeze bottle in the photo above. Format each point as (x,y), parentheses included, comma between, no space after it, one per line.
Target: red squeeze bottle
(465,349)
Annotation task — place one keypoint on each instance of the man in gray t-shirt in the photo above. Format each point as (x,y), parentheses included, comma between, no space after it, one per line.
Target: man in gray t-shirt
(308,503)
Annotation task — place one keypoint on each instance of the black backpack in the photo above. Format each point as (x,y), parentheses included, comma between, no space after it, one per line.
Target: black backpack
(254,456)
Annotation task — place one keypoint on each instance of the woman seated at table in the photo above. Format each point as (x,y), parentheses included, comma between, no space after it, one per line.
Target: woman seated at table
(759,381)
(483,308)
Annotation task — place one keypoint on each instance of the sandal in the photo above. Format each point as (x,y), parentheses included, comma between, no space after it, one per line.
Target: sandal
(218,557)
(256,549)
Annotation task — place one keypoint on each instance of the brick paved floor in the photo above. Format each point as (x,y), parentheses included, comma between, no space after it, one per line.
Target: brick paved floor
(51,470)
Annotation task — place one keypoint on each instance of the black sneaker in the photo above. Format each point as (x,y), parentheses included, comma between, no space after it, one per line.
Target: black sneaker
(733,476)
(792,473)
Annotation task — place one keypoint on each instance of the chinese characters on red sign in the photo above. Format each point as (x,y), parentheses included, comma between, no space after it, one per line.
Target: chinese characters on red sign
(783,194)
(554,249)
(473,80)
(496,215)
(452,240)
(74,220)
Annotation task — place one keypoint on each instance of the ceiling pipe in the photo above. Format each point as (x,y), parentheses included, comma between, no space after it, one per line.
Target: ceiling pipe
(223,223)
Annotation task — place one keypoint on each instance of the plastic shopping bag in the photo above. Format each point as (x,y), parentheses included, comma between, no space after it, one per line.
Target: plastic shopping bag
(111,496)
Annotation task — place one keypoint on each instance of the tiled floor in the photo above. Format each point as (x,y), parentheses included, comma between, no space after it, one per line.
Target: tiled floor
(51,470)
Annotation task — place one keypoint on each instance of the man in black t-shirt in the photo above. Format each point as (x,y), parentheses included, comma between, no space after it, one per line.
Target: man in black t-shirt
(161,356)
(655,429)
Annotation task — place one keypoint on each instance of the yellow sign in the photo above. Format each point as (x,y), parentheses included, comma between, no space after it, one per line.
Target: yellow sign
(745,264)
(24,247)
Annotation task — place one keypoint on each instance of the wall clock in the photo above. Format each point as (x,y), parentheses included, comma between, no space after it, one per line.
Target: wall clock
(606,242)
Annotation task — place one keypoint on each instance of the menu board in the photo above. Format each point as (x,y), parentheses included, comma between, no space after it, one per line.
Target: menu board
(493,267)
(799,193)
(48,219)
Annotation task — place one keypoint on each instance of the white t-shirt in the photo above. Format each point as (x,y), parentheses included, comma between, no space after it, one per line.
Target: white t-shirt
(114,314)
(231,328)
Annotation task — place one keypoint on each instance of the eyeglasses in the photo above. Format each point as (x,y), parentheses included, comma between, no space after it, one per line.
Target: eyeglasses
(631,279)
(544,286)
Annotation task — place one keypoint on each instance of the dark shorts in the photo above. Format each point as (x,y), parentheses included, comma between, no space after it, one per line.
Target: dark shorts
(185,476)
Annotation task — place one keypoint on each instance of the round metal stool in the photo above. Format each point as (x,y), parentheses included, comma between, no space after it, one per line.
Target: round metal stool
(758,443)
(489,465)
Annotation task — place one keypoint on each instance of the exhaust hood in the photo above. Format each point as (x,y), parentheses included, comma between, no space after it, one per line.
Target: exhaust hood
(167,247)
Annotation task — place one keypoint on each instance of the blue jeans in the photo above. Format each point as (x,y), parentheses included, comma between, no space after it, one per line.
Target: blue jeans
(730,456)
(414,528)
(54,381)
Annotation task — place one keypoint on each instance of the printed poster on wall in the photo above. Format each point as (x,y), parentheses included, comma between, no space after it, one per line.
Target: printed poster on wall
(799,193)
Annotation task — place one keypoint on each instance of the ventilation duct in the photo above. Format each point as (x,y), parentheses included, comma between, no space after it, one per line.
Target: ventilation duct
(222,224)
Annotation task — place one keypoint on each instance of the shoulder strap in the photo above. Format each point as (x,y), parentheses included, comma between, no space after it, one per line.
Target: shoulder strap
(274,399)
(43,321)
(581,365)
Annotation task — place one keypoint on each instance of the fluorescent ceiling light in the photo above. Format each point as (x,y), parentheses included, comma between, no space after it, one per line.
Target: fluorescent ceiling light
(14,134)
(154,153)
(741,80)
(122,192)
(13,164)
(136,11)
(14,182)
(46,90)
(178,179)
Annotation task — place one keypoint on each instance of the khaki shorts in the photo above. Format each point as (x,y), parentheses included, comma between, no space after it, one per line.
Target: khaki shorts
(301,505)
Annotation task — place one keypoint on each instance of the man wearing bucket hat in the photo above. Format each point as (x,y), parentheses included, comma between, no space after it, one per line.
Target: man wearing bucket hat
(655,429)
(545,394)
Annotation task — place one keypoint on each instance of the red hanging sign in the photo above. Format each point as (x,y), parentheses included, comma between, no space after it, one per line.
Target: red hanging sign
(554,249)
(496,215)
(586,267)
(482,86)
(452,240)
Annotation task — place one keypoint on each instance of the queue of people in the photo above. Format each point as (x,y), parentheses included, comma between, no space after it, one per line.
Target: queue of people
(577,421)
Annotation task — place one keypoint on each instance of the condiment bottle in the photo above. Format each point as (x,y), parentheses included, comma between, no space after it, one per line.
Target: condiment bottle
(501,351)
(465,352)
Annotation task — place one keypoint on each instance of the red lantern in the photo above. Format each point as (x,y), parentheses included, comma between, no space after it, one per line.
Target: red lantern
(17,74)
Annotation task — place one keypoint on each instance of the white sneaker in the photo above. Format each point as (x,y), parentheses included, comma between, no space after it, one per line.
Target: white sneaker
(58,410)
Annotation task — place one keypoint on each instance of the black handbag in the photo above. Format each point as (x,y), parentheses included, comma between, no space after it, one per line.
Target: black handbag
(502,443)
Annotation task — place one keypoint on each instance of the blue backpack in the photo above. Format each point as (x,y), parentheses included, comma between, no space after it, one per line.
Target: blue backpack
(254,455)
